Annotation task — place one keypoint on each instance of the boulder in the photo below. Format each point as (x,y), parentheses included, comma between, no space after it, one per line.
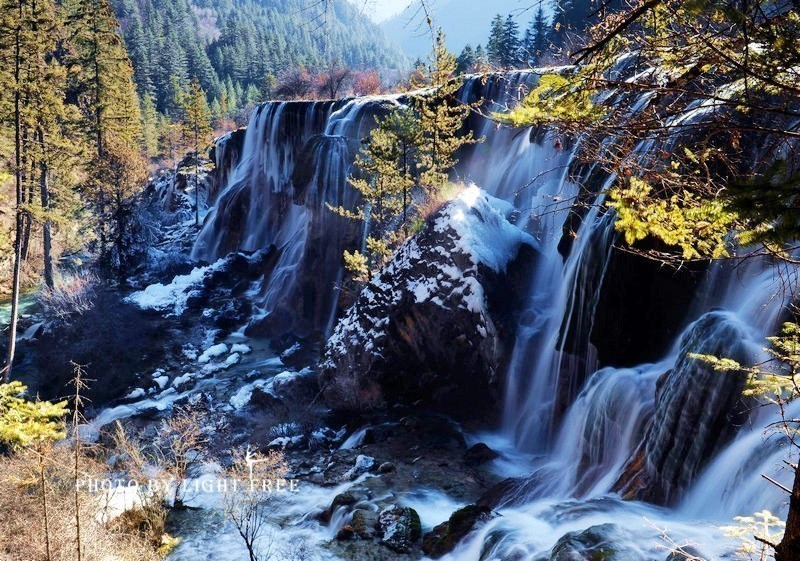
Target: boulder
(697,411)
(686,554)
(444,537)
(594,543)
(400,528)
(430,328)
(479,454)
(364,523)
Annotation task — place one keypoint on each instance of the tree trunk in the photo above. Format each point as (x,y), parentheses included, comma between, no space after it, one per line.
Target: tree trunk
(196,172)
(789,548)
(47,226)
(12,330)
(45,520)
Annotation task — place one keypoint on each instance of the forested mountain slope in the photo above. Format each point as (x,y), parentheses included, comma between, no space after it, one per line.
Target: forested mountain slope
(237,48)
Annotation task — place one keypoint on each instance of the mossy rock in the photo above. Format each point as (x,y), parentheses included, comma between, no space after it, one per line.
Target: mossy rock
(444,537)
(597,543)
(401,528)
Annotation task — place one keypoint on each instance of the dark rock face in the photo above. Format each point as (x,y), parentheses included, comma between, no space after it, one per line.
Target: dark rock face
(595,543)
(432,325)
(697,411)
(479,454)
(631,284)
(444,537)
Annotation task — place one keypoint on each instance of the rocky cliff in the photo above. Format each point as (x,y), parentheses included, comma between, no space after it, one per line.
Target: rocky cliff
(431,326)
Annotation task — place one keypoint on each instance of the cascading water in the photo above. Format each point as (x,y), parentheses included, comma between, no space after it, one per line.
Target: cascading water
(584,426)
(295,160)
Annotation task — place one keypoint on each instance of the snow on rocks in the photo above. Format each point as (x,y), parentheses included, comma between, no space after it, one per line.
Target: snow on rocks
(430,324)
(172,297)
(213,351)
(241,348)
(362,465)
(136,393)
(160,379)
(401,528)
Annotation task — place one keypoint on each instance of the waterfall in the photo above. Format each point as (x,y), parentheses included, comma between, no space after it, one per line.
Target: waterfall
(295,161)
(588,426)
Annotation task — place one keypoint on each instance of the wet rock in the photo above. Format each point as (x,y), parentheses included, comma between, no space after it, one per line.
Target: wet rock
(346,533)
(449,283)
(400,528)
(364,523)
(698,410)
(386,467)
(343,499)
(479,454)
(233,313)
(686,554)
(631,284)
(444,537)
(601,542)
(362,464)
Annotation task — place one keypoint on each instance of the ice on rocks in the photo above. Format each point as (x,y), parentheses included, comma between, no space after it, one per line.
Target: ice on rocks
(241,348)
(213,351)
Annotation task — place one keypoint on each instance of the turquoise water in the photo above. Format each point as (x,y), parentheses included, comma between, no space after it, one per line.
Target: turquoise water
(27,304)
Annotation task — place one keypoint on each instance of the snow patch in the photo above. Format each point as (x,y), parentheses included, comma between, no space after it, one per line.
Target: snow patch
(241,348)
(213,351)
(172,297)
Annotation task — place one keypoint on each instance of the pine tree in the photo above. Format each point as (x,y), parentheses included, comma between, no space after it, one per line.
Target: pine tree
(381,185)
(197,127)
(150,124)
(528,49)
(541,30)
(31,34)
(441,118)
(26,423)
(511,45)
(15,50)
(480,57)
(111,111)
(495,47)
(536,38)
(465,61)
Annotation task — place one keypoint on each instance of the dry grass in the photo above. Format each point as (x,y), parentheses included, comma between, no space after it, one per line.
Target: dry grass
(73,294)
(22,528)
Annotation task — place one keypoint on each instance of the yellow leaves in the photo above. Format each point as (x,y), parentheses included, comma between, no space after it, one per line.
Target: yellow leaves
(25,423)
(781,381)
(718,364)
(356,264)
(556,99)
(698,227)
(753,531)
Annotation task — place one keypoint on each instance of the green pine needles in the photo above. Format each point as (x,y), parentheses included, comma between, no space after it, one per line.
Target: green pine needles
(403,170)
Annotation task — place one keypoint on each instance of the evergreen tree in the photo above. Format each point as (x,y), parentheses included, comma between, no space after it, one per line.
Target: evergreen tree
(480,56)
(31,33)
(542,33)
(466,60)
(26,423)
(150,124)
(511,44)
(104,84)
(535,42)
(529,56)
(495,47)
(197,128)
(441,119)
(381,184)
